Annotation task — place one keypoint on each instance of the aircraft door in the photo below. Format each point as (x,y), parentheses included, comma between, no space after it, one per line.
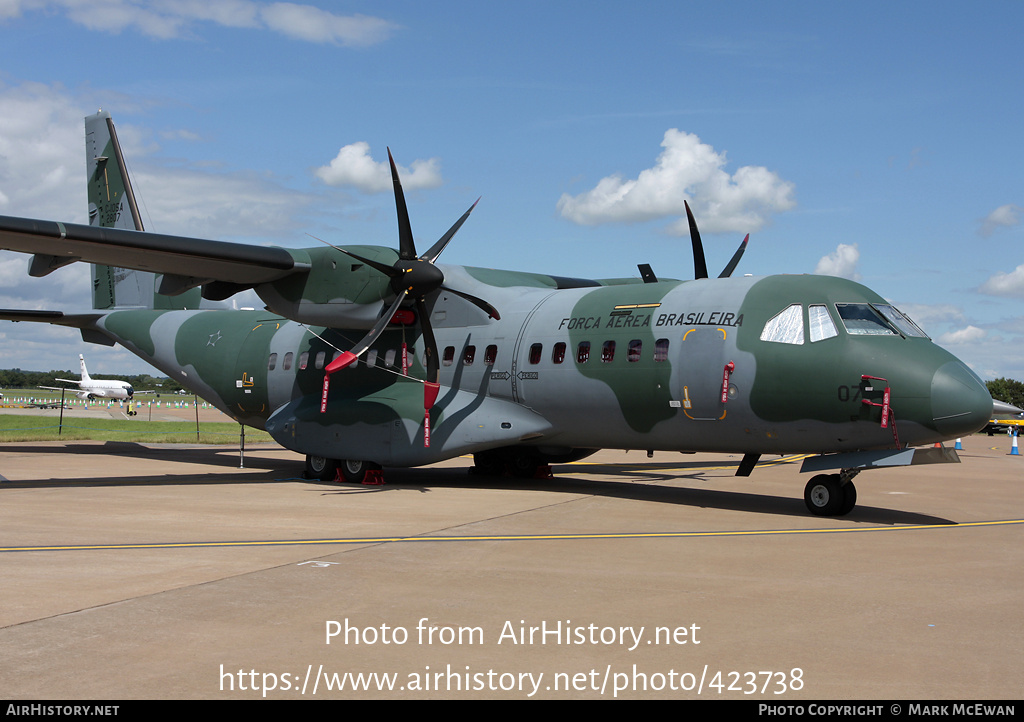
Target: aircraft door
(699,378)
(249,395)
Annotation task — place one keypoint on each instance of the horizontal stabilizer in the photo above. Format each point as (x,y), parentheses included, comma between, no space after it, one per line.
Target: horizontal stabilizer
(59,318)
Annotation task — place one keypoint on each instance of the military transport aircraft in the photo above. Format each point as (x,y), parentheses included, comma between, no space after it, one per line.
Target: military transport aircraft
(90,388)
(367,356)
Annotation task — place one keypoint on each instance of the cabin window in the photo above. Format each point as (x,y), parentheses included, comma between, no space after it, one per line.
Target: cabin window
(468,355)
(900,320)
(287,365)
(371,357)
(321,356)
(636,346)
(820,324)
(583,352)
(608,352)
(535,352)
(449,355)
(490,354)
(303,360)
(787,326)
(558,352)
(272,363)
(661,350)
(389,357)
(862,320)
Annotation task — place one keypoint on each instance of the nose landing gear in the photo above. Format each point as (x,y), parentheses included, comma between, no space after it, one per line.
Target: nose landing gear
(831,494)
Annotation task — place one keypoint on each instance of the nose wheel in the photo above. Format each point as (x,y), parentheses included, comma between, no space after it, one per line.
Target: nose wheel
(829,495)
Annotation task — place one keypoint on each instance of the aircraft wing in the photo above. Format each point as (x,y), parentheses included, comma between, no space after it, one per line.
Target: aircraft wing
(56,244)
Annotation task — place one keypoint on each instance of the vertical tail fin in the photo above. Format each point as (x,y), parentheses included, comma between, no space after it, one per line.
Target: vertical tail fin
(85,372)
(112,205)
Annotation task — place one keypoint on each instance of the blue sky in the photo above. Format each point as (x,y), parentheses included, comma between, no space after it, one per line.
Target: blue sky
(877,141)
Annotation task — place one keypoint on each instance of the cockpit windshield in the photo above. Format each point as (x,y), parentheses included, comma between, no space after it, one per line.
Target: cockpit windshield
(859,319)
(900,320)
(877,319)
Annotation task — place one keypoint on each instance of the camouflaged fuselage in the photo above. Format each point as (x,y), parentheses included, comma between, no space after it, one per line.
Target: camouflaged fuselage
(631,366)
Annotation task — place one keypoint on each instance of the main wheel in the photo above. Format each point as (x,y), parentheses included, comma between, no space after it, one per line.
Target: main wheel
(824,496)
(354,470)
(320,467)
(523,463)
(488,463)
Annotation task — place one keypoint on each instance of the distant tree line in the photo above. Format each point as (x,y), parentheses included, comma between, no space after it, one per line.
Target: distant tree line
(18,379)
(1008,390)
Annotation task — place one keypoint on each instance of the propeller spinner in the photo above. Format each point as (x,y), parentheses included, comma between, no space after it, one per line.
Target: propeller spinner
(412,276)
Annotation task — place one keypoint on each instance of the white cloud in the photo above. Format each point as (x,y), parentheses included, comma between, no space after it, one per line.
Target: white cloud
(686,170)
(306,22)
(1005,284)
(42,153)
(841,262)
(354,166)
(1002,217)
(971,334)
(176,18)
(928,314)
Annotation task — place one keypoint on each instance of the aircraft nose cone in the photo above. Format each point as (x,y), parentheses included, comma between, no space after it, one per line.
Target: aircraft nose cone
(961,404)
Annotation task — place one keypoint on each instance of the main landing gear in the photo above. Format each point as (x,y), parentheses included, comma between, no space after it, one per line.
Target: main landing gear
(831,494)
(352,471)
(520,462)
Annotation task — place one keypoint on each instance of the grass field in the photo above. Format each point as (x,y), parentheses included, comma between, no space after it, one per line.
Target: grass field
(21,427)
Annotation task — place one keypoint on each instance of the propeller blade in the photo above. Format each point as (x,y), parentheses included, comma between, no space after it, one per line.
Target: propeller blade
(406,246)
(478,302)
(431,387)
(372,335)
(700,266)
(435,250)
(731,266)
(389,271)
(428,340)
(347,358)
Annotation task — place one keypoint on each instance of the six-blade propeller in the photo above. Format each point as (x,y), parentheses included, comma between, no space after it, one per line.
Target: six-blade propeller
(412,277)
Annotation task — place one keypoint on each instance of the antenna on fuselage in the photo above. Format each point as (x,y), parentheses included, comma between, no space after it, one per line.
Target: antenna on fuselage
(647,273)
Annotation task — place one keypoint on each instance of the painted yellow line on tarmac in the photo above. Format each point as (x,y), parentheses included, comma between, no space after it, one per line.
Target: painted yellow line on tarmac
(505,537)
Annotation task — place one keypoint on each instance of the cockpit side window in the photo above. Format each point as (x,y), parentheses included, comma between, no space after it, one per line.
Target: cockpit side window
(787,326)
(820,324)
(861,319)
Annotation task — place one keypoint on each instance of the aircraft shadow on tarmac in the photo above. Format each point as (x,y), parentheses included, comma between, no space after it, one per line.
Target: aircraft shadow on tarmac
(427,478)
(200,455)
